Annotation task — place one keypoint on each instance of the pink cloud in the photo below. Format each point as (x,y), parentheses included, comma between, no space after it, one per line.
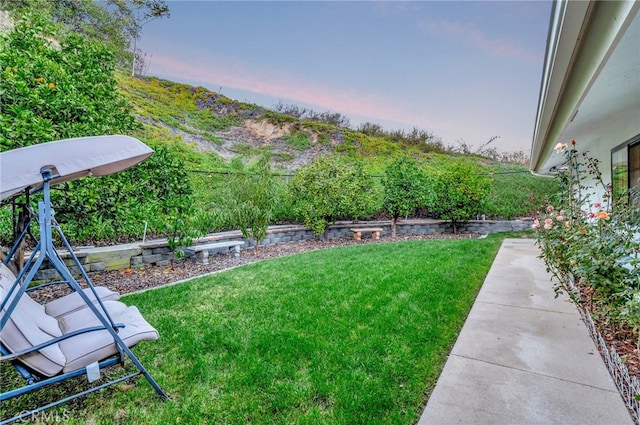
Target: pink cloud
(279,85)
(499,47)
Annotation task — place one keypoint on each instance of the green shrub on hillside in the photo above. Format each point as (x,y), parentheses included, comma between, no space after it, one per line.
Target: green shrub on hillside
(51,93)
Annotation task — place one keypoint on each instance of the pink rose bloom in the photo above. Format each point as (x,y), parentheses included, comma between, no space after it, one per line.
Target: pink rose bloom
(560,218)
(550,208)
(536,224)
(597,205)
(548,223)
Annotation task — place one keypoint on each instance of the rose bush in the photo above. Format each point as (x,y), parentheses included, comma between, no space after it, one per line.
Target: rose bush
(591,242)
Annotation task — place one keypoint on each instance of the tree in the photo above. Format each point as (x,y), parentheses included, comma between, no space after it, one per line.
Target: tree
(404,189)
(459,189)
(50,91)
(53,90)
(134,15)
(330,188)
(114,23)
(251,199)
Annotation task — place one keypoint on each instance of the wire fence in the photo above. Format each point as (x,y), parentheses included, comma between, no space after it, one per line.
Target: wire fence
(378,176)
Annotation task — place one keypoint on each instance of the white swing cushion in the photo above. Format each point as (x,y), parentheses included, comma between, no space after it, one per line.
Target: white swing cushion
(63,305)
(87,348)
(28,327)
(74,302)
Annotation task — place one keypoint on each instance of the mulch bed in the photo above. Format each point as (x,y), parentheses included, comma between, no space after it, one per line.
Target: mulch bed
(622,338)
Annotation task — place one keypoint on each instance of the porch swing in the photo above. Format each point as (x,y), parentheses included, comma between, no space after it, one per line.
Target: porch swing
(88,329)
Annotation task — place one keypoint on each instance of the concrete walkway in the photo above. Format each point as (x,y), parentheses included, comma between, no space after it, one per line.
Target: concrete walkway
(523,357)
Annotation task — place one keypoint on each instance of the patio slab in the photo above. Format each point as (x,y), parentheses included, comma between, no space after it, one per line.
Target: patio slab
(523,356)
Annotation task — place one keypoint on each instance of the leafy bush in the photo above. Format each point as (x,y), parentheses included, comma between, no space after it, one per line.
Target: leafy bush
(51,93)
(330,188)
(251,199)
(458,190)
(54,92)
(404,189)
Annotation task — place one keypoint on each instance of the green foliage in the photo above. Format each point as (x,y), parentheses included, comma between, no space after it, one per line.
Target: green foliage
(404,189)
(299,141)
(114,207)
(588,242)
(459,189)
(180,233)
(114,23)
(50,93)
(330,188)
(177,105)
(518,193)
(251,199)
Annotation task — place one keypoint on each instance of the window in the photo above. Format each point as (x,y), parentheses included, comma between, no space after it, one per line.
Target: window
(634,166)
(625,169)
(619,172)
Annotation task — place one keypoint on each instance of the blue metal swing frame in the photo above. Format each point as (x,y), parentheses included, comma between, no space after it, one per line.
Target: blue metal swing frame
(45,249)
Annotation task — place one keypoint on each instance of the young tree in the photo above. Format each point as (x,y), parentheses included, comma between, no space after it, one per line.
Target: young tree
(404,189)
(459,189)
(252,199)
(114,23)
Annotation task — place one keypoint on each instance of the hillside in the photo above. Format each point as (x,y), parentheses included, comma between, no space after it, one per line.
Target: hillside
(209,171)
(210,122)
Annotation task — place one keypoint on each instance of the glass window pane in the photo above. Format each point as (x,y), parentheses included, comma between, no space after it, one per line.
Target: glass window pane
(634,166)
(619,173)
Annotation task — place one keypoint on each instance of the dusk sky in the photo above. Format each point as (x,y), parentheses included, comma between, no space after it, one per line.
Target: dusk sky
(464,70)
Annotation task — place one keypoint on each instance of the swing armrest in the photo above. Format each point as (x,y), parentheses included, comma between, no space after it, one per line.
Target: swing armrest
(56,340)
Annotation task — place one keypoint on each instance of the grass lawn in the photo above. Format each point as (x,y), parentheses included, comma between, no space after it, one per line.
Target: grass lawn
(352,335)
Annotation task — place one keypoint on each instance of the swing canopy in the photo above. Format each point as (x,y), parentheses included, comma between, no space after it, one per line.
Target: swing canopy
(69,160)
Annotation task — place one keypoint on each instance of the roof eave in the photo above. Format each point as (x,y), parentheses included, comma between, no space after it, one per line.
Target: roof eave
(582,35)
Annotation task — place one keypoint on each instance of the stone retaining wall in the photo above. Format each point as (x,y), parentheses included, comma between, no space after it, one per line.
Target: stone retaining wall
(157,252)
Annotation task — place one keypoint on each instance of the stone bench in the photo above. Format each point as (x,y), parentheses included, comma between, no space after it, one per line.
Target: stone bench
(375,232)
(202,251)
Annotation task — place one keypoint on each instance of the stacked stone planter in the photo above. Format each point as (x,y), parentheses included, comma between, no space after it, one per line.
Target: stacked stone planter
(158,253)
